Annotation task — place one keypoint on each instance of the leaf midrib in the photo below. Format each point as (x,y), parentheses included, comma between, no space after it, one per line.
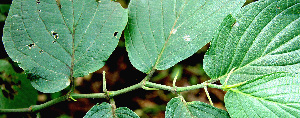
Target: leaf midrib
(261,99)
(166,42)
(258,98)
(193,26)
(73,44)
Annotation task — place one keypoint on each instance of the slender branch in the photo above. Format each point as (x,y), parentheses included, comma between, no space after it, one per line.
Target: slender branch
(125,90)
(21,110)
(158,86)
(181,89)
(36,108)
(92,95)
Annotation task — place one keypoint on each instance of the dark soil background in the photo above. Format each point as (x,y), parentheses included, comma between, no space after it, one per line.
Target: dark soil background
(120,74)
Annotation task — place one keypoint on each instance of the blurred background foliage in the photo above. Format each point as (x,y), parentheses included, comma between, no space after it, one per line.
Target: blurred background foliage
(120,74)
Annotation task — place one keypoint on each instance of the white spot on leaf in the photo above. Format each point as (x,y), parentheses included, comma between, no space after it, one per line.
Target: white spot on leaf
(68,82)
(173,31)
(236,24)
(187,38)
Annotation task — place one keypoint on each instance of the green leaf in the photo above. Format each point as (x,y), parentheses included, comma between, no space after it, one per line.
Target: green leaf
(4,8)
(2,17)
(56,40)
(16,90)
(272,96)
(104,110)
(124,112)
(178,108)
(161,33)
(262,38)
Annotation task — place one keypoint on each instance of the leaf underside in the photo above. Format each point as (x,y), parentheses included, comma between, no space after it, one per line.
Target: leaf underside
(260,43)
(270,96)
(262,38)
(56,40)
(104,110)
(178,108)
(161,33)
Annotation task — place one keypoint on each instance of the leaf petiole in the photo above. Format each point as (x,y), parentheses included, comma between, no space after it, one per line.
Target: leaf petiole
(226,87)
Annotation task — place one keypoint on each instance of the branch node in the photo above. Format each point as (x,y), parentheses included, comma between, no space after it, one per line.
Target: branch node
(174,90)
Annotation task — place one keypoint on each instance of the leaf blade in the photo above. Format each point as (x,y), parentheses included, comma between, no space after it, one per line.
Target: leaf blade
(16,91)
(104,110)
(56,40)
(273,95)
(260,39)
(159,36)
(124,112)
(178,108)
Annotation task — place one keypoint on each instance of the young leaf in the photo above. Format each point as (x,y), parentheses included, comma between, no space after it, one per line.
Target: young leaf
(178,108)
(270,96)
(161,33)
(262,38)
(59,39)
(16,91)
(104,110)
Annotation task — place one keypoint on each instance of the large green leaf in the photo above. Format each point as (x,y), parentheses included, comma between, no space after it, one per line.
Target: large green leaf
(160,33)
(104,110)
(16,90)
(262,38)
(59,39)
(178,108)
(272,96)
